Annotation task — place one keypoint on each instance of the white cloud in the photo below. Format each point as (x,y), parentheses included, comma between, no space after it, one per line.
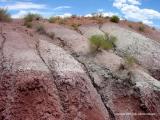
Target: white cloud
(148,22)
(25,5)
(134,2)
(132,10)
(62,7)
(45,14)
(65,15)
(24,8)
(119,3)
(88,15)
(100,10)
(103,13)
(22,13)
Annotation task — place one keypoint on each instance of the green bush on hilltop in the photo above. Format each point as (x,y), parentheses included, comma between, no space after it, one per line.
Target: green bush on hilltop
(114,19)
(31,16)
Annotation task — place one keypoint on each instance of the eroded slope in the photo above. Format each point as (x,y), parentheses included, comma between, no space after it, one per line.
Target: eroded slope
(57,78)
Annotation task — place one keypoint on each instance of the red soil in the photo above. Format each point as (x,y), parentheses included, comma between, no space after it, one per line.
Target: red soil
(33,96)
(149,32)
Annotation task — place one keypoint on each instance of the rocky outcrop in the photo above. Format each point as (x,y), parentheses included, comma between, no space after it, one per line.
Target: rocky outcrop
(69,38)
(149,89)
(120,90)
(145,50)
(109,60)
(73,84)
(41,81)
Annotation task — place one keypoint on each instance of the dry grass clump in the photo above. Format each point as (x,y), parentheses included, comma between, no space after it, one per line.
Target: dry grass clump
(141,28)
(29,18)
(130,60)
(75,26)
(40,29)
(28,24)
(130,26)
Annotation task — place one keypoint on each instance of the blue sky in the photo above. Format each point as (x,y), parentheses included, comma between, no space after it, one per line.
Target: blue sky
(147,11)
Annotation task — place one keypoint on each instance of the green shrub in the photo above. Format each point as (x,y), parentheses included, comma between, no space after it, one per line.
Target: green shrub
(114,19)
(4,15)
(40,29)
(141,28)
(105,42)
(30,17)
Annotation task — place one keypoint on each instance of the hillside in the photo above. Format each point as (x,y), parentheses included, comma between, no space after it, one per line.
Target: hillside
(48,72)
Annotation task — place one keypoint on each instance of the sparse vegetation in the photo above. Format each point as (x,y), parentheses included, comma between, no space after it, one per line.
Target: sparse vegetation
(4,15)
(141,23)
(28,24)
(100,20)
(74,16)
(52,19)
(58,20)
(130,60)
(141,28)
(98,42)
(107,17)
(114,19)
(61,21)
(30,17)
(130,26)
(40,29)
(75,26)
(98,16)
